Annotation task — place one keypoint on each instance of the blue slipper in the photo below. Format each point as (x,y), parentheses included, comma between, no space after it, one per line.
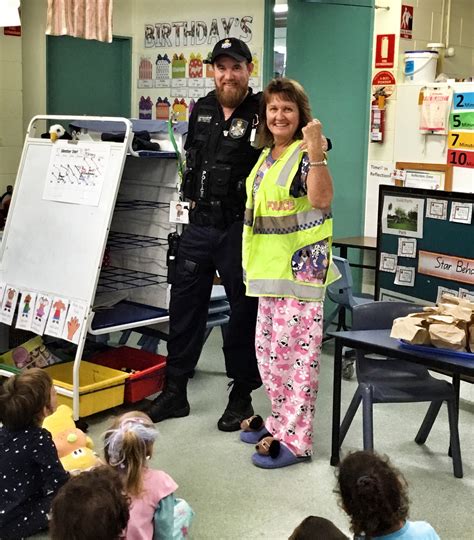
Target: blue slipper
(253,437)
(284,459)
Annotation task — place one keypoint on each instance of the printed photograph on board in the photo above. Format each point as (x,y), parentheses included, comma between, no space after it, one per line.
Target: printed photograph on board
(403,216)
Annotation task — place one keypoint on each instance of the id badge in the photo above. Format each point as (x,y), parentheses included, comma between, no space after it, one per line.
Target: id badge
(179,212)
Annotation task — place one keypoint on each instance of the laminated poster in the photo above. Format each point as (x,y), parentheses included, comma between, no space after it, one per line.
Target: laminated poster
(445,290)
(407,247)
(461,212)
(26,309)
(388,262)
(436,208)
(10,298)
(403,216)
(41,311)
(405,276)
(466,294)
(57,317)
(75,320)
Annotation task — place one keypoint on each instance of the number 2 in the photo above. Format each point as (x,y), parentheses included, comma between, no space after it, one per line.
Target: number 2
(460,98)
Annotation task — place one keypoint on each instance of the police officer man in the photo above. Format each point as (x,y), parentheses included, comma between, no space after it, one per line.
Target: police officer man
(219,156)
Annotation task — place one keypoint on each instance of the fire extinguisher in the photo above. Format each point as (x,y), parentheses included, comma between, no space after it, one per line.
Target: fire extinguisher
(377,116)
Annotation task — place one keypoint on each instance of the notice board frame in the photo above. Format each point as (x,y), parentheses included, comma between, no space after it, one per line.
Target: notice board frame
(439,236)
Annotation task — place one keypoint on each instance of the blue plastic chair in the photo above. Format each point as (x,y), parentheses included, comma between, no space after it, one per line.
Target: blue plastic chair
(389,380)
(340,292)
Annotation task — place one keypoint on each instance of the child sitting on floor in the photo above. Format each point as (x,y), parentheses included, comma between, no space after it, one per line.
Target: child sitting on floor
(90,506)
(375,496)
(30,470)
(317,528)
(155,513)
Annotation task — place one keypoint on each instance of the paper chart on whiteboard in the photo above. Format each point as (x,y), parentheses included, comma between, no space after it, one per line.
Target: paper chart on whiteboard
(76,173)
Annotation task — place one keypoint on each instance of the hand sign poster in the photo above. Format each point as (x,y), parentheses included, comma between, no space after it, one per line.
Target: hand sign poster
(74,321)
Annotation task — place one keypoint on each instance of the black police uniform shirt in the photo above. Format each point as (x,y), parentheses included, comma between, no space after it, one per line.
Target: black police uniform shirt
(219,154)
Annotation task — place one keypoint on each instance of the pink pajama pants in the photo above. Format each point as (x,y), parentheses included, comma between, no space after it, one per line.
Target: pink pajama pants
(288,346)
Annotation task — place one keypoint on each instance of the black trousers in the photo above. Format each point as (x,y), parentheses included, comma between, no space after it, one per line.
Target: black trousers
(202,250)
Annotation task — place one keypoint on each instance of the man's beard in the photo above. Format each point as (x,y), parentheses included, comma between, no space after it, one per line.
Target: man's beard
(231,96)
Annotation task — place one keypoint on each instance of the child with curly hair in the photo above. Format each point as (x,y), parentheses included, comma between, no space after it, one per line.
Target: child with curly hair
(375,496)
(30,470)
(155,513)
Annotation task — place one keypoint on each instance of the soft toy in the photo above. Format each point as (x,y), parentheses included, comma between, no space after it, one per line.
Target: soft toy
(75,448)
(56,131)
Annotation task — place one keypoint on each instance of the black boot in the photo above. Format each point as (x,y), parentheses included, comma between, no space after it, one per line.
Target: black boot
(238,408)
(172,402)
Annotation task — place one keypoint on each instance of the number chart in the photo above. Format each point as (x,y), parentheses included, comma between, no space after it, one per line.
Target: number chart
(461,135)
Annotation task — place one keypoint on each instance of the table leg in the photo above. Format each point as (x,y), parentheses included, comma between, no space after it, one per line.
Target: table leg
(457,388)
(336,403)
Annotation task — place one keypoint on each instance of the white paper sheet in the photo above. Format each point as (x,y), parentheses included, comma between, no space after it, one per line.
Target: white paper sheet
(76,172)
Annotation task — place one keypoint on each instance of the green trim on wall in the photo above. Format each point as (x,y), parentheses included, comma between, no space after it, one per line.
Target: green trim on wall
(88,77)
(329,50)
(268,42)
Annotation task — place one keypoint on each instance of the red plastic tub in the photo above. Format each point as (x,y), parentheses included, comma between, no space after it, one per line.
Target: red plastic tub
(150,370)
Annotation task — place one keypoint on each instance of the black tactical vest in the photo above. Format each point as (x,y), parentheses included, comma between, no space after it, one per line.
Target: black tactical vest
(219,157)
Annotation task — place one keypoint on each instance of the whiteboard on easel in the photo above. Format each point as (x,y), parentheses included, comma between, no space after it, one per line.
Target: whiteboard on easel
(60,213)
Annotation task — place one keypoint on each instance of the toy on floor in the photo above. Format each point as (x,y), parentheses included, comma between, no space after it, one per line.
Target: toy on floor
(75,448)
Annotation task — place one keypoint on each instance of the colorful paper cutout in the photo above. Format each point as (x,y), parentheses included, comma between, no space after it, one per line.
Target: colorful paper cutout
(41,311)
(26,310)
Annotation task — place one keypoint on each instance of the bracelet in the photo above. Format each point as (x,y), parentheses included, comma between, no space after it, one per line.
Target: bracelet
(322,163)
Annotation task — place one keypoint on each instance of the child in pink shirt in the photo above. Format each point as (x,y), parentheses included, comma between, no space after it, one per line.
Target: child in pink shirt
(155,513)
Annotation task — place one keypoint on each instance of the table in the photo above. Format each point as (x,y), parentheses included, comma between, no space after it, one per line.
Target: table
(368,243)
(380,342)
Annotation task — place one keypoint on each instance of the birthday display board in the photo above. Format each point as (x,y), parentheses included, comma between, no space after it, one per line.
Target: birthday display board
(424,244)
(172,73)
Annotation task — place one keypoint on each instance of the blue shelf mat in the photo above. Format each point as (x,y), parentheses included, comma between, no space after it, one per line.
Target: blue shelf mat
(125,312)
(435,350)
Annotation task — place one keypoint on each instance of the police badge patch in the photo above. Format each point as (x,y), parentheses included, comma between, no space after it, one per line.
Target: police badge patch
(238,127)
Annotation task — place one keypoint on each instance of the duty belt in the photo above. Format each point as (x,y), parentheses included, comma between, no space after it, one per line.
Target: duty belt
(214,215)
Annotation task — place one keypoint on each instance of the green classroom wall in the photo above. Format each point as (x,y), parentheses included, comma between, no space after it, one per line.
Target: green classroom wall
(329,50)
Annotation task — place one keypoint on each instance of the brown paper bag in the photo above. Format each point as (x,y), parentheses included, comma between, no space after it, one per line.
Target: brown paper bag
(459,312)
(407,328)
(448,336)
(447,298)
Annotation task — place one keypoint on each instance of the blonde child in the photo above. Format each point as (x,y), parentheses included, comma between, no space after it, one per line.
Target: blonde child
(30,470)
(155,513)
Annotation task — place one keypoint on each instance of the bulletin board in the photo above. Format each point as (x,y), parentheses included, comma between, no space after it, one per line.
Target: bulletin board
(425,244)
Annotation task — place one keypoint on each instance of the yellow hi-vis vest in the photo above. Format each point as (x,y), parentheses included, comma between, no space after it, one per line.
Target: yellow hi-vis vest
(277,225)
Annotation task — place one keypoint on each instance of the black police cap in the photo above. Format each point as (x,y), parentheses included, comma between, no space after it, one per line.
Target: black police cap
(233,47)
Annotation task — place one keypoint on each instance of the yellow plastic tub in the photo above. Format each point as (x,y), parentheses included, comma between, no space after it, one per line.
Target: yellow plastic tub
(100,387)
